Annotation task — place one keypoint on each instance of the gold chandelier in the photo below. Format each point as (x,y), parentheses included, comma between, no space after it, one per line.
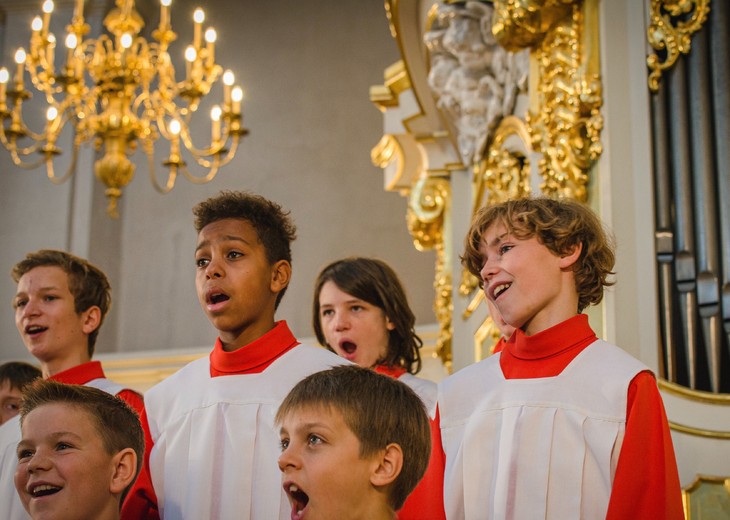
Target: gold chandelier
(119,91)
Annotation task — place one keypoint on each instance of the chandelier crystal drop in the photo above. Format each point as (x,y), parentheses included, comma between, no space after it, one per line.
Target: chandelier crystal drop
(120,92)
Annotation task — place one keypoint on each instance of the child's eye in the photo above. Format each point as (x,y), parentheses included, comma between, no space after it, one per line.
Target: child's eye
(357,308)
(24,454)
(235,254)
(19,304)
(50,297)
(504,249)
(314,440)
(201,262)
(284,444)
(63,446)
(327,312)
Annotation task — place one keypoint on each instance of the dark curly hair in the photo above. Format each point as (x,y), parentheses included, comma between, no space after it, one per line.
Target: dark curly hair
(273,225)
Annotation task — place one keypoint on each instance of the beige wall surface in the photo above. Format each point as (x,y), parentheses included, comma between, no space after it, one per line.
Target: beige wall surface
(306,68)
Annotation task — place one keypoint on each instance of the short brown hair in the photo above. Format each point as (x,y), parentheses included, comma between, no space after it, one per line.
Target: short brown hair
(88,284)
(378,409)
(273,225)
(559,225)
(18,374)
(373,281)
(118,424)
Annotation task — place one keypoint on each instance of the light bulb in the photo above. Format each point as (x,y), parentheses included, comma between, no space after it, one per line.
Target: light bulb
(215,113)
(20,56)
(174,127)
(228,77)
(210,35)
(48,6)
(71,41)
(199,15)
(51,113)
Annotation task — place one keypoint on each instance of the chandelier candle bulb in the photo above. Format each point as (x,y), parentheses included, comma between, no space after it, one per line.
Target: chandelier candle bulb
(190,56)
(20,60)
(71,42)
(36,25)
(237,96)
(215,115)
(198,19)
(47,10)
(210,37)
(50,50)
(4,77)
(125,42)
(228,79)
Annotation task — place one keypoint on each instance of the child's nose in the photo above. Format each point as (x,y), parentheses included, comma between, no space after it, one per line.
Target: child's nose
(341,321)
(214,269)
(31,308)
(38,462)
(288,460)
(489,269)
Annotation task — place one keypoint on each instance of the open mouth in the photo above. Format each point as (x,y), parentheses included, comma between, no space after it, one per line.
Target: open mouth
(499,289)
(216,297)
(298,499)
(44,490)
(35,329)
(348,346)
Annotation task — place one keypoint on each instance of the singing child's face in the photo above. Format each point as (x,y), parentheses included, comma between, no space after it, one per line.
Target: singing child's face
(237,285)
(353,328)
(323,474)
(525,280)
(46,317)
(64,471)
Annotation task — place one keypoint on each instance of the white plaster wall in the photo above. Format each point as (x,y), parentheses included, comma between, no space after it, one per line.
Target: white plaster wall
(306,68)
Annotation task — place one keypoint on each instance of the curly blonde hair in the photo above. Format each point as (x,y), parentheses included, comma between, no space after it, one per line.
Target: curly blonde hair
(560,225)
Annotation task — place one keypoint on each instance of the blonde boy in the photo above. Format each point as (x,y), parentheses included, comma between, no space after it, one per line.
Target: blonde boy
(80,451)
(354,444)
(559,424)
(60,304)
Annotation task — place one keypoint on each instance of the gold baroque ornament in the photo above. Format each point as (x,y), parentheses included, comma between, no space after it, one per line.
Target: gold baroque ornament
(503,175)
(670,32)
(565,121)
(426,218)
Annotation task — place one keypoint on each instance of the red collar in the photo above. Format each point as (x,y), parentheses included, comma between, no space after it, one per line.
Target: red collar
(80,374)
(393,371)
(254,357)
(546,353)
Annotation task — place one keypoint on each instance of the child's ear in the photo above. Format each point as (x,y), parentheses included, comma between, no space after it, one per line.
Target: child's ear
(280,275)
(572,257)
(91,319)
(124,468)
(390,463)
(389,324)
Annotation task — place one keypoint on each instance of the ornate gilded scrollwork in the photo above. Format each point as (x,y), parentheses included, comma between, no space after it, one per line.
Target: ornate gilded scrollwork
(427,217)
(565,121)
(673,22)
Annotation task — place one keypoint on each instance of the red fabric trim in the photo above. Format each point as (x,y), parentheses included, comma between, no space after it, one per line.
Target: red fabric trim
(394,371)
(80,374)
(255,357)
(546,353)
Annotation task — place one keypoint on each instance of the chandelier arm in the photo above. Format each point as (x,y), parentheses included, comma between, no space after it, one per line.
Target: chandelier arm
(18,161)
(205,163)
(201,180)
(50,170)
(153,175)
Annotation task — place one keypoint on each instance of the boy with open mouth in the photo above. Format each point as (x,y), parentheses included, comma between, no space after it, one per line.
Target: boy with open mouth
(80,451)
(341,456)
